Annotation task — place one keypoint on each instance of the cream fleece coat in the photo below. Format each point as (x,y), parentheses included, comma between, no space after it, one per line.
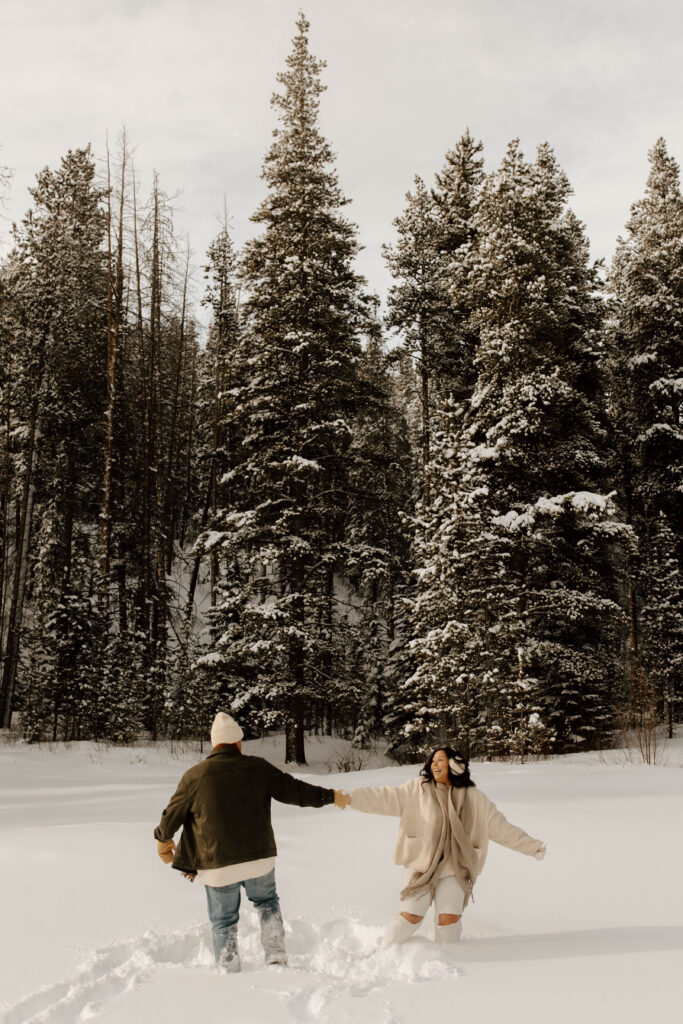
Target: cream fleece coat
(421,817)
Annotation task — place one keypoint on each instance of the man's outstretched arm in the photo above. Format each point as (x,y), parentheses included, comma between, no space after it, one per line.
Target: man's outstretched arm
(288,790)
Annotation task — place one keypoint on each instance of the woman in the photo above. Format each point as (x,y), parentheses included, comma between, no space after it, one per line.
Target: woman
(445,827)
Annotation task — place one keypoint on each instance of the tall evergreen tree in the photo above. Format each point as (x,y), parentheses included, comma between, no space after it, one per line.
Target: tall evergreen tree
(221,377)
(532,628)
(645,340)
(213,681)
(303,315)
(58,285)
(416,299)
(661,621)
(377,539)
(429,300)
(455,196)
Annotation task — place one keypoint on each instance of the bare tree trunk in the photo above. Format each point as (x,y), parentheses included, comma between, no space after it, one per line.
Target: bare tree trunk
(69,513)
(198,558)
(153,495)
(169,508)
(190,442)
(426,417)
(123,597)
(143,591)
(9,673)
(294,730)
(4,505)
(5,487)
(294,726)
(114,307)
(635,675)
(214,468)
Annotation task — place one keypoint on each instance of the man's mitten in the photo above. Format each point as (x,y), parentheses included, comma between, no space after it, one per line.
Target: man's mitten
(166,850)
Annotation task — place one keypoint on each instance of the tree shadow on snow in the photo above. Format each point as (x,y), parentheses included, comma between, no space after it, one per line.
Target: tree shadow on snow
(565,945)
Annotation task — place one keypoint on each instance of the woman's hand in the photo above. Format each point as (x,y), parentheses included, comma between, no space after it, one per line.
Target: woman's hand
(541,853)
(341,799)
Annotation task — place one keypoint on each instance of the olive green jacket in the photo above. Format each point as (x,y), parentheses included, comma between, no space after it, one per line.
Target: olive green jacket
(222,805)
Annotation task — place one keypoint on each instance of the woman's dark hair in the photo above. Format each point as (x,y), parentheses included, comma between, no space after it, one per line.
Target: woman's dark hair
(461,780)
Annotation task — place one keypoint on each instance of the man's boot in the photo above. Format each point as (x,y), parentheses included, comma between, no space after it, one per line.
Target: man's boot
(272,936)
(226,949)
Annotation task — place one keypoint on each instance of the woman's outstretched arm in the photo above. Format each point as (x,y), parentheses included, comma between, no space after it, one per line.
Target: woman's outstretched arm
(502,831)
(380,799)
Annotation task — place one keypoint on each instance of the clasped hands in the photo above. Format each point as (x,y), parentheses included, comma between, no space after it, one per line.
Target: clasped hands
(166,848)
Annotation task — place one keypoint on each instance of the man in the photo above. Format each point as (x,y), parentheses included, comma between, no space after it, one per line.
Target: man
(223,807)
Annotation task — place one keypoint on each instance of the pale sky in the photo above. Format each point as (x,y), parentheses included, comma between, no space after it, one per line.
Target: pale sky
(599,80)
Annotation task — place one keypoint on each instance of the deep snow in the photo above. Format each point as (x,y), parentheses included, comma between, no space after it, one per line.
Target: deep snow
(96,928)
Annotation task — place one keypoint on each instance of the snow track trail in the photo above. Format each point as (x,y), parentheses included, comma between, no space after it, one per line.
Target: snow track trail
(327,962)
(107,973)
(96,928)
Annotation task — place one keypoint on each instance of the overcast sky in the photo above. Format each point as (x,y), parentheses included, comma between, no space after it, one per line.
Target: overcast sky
(192,79)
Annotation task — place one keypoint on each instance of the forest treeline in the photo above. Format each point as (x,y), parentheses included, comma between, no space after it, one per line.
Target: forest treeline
(462,519)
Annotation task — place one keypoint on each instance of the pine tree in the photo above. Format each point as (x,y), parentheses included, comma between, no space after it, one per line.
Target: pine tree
(662,625)
(455,197)
(220,375)
(416,301)
(531,632)
(432,701)
(213,681)
(645,340)
(281,537)
(58,284)
(376,538)
(431,305)
(429,301)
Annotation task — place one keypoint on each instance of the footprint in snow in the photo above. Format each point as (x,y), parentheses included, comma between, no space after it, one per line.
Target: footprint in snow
(327,961)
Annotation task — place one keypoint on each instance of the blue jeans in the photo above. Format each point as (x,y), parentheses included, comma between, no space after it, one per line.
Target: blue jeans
(224,911)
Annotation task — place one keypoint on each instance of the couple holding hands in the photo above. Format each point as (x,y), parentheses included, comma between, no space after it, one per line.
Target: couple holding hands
(222,805)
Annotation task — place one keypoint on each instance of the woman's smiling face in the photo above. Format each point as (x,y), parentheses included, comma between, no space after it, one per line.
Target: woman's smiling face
(440,767)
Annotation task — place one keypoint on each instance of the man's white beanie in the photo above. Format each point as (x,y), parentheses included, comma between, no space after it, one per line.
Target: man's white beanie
(225,730)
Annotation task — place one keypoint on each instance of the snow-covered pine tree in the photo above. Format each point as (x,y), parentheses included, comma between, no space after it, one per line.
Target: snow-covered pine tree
(281,538)
(428,300)
(61,684)
(58,284)
(455,196)
(533,625)
(219,380)
(661,625)
(212,680)
(645,340)
(538,430)
(377,542)
(436,700)
(416,299)
(430,304)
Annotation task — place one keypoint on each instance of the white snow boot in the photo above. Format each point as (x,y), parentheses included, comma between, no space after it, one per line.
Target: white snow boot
(447,933)
(398,931)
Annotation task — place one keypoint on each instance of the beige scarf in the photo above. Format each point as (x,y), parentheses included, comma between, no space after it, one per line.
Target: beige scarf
(461,850)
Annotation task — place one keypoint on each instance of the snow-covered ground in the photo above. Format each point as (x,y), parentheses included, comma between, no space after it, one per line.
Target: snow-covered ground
(93,927)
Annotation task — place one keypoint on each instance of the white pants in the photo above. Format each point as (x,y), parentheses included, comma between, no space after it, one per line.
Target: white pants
(448,897)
